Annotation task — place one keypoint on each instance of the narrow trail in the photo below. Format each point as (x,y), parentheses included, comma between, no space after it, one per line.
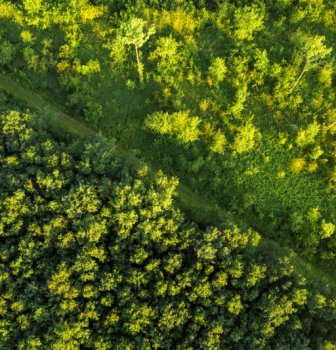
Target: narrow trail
(35,100)
(188,199)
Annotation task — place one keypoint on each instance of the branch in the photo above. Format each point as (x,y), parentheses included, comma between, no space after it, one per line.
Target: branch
(331,125)
(300,76)
(137,54)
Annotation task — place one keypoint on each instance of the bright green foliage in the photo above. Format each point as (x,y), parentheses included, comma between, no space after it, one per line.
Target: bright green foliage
(246,138)
(179,125)
(133,32)
(247,21)
(313,50)
(218,143)
(168,59)
(307,136)
(312,47)
(217,69)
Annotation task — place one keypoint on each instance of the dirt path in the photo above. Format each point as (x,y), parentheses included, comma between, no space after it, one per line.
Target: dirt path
(38,102)
(189,200)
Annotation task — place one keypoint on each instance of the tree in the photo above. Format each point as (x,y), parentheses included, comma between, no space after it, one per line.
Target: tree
(247,21)
(218,143)
(134,32)
(32,6)
(179,124)
(217,70)
(7,52)
(246,138)
(307,136)
(170,61)
(313,51)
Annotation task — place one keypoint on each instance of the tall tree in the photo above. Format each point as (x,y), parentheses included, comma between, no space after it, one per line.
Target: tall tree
(313,51)
(136,32)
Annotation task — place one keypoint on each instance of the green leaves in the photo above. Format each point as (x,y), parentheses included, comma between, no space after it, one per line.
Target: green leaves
(246,138)
(307,136)
(217,70)
(180,125)
(218,143)
(169,59)
(313,50)
(312,47)
(247,21)
(136,32)
(234,305)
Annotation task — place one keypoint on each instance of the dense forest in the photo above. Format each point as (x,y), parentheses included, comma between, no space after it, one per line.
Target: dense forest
(222,105)
(97,256)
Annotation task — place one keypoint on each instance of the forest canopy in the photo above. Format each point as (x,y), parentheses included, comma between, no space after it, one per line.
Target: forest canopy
(236,99)
(97,256)
(200,212)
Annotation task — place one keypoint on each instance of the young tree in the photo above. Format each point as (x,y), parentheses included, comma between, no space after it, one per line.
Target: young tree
(7,52)
(313,51)
(135,32)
